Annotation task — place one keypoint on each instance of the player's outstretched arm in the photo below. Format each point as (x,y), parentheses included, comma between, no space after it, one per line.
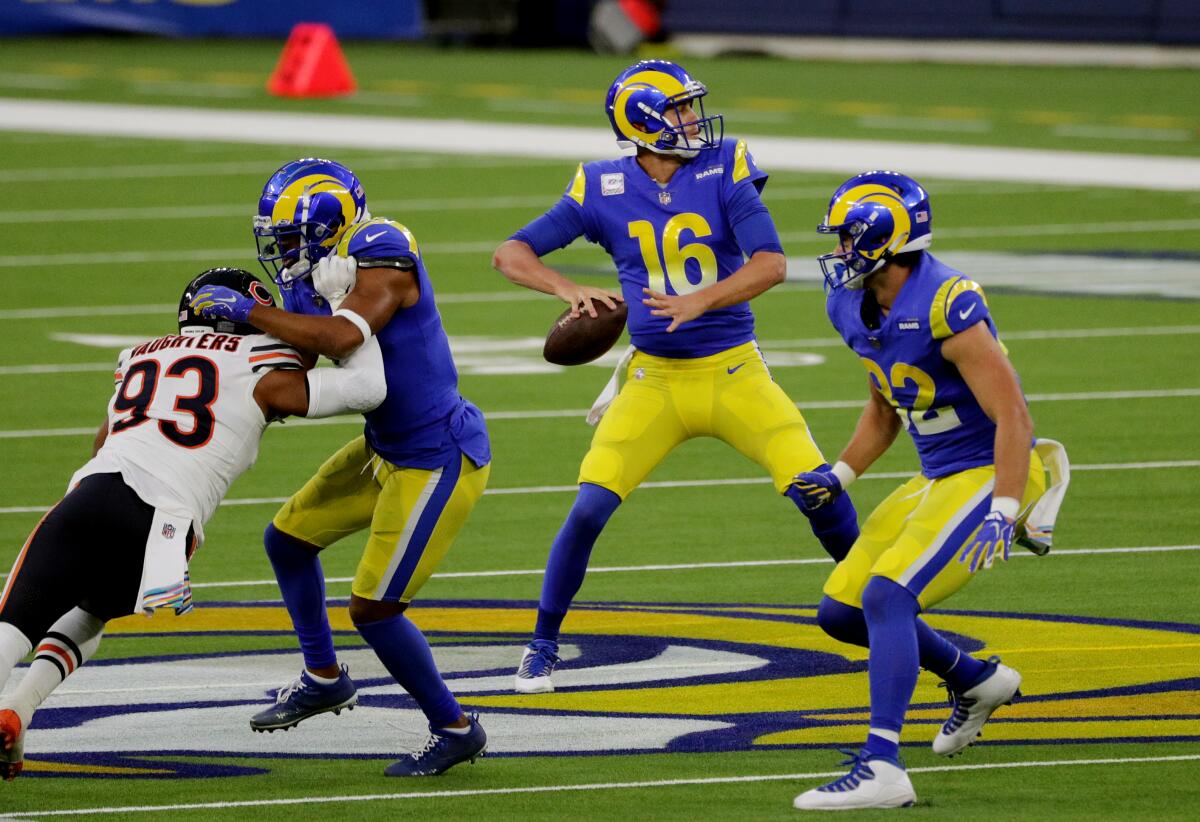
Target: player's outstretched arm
(763,270)
(357,386)
(517,261)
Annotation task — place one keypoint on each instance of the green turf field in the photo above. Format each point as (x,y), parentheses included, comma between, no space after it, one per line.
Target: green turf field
(104,232)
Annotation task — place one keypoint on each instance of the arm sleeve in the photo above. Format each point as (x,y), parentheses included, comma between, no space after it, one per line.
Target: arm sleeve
(359,384)
(751,221)
(555,229)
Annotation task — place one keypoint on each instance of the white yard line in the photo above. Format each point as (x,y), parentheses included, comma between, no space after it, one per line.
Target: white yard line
(546,141)
(587,786)
(693,483)
(556,413)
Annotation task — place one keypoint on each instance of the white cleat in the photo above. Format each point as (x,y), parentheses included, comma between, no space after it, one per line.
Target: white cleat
(537,663)
(871,783)
(972,708)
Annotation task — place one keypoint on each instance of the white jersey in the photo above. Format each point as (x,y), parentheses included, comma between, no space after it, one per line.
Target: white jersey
(183,423)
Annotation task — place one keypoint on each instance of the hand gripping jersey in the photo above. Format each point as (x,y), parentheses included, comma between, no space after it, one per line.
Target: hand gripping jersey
(903,354)
(424,419)
(183,423)
(674,239)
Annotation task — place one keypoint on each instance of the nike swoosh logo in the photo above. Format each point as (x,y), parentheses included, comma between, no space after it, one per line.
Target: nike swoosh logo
(370,238)
(224,299)
(962,315)
(735,368)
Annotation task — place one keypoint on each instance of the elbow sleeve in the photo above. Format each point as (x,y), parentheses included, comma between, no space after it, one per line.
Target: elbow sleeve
(358,385)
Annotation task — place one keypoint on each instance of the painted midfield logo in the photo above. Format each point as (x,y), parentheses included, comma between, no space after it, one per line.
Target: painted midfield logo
(651,678)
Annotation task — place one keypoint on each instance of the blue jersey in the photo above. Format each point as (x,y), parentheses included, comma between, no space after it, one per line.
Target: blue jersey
(903,354)
(675,238)
(424,422)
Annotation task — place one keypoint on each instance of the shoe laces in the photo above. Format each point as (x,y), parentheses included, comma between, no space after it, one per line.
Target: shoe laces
(285,693)
(431,744)
(539,661)
(960,709)
(859,770)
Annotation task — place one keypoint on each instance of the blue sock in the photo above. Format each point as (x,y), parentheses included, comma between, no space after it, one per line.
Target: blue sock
(404,651)
(835,525)
(891,613)
(938,655)
(569,556)
(302,584)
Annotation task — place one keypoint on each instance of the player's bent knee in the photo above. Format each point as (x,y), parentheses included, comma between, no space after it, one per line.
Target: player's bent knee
(281,545)
(364,611)
(843,622)
(884,599)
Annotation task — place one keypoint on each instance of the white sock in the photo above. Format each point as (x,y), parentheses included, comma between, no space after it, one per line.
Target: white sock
(322,680)
(69,643)
(14,645)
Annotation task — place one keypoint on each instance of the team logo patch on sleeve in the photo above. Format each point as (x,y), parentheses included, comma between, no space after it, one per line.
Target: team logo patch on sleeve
(611,184)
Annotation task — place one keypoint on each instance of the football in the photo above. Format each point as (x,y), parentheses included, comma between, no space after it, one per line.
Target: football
(574,341)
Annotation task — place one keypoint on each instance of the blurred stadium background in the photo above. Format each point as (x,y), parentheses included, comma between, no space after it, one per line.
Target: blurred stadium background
(1060,140)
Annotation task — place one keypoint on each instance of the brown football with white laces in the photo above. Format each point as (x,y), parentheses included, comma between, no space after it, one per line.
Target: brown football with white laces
(579,340)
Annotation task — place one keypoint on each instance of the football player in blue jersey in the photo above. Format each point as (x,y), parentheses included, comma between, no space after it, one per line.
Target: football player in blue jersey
(412,477)
(936,367)
(693,243)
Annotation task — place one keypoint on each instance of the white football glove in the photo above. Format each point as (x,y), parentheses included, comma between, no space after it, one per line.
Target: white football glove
(333,277)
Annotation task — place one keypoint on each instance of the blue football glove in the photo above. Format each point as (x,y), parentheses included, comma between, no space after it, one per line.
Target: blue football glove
(816,489)
(994,536)
(219,302)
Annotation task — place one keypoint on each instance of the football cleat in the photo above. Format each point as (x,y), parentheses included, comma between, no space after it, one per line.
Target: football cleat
(533,675)
(970,709)
(443,750)
(12,745)
(303,698)
(874,782)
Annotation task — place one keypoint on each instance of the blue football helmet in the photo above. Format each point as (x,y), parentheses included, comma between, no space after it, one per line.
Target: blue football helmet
(305,208)
(881,214)
(639,99)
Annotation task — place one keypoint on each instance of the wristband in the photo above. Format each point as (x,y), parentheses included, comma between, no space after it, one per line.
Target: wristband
(1006,506)
(363,327)
(844,473)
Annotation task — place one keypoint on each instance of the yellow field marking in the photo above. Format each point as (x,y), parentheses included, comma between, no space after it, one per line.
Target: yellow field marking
(67,768)
(147,74)
(405,86)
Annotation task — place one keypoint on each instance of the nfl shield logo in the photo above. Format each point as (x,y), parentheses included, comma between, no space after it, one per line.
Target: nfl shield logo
(664,197)
(168,531)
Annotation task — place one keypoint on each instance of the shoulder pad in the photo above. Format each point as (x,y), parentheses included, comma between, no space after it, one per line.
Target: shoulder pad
(958,304)
(378,239)
(578,187)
